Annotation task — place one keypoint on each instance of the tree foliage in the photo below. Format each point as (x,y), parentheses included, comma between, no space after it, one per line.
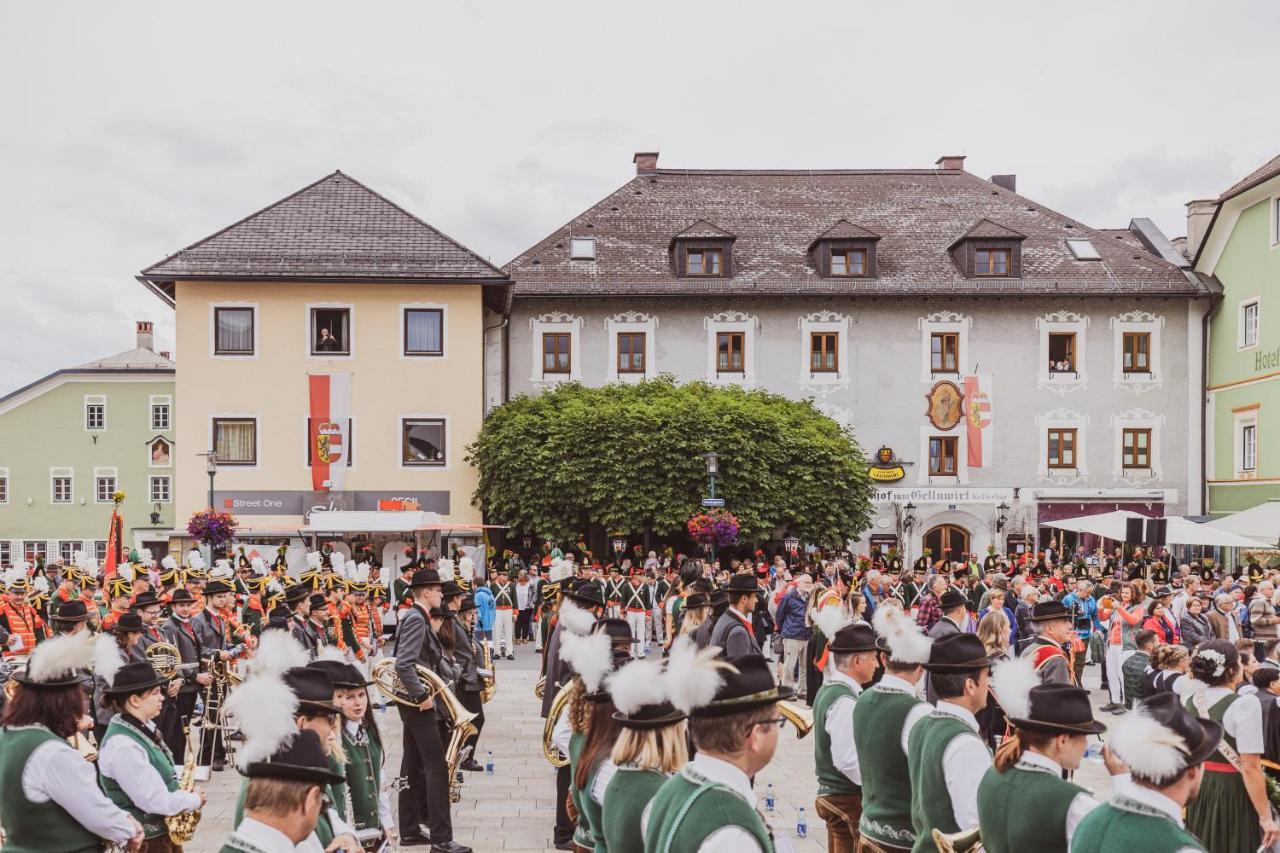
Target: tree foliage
(629,456)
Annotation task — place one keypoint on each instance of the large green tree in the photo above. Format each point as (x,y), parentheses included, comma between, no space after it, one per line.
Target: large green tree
(628,457)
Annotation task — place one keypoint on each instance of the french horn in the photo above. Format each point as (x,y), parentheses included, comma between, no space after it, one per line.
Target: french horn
(964,841)
(461,721)
(798,715)
(548,728)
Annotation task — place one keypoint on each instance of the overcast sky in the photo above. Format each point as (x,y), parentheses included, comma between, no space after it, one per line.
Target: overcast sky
(131,129)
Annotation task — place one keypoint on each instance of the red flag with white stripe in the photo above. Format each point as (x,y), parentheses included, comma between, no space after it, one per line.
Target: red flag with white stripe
(977,403)
(328,430)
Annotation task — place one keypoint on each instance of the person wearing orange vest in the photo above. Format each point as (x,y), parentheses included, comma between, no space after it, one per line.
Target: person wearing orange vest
(119,594)
(359,627)
(22,622)
(1052,621)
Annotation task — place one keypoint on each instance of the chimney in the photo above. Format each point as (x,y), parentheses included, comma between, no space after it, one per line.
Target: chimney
(1199,212)
(1009,182)
(646,162)
(950,162)
(146,340)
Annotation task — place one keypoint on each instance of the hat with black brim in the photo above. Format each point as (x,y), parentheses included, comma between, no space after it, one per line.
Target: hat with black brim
(134,678)
(342,674)
(959,653)
(302,760)
(1145,747)
(589,594)
(128,623)
(952,598)
(858,637)
(650,717)
(1049,611)
(314,689)
(296,593)
(425,577)
(1059,709)
(617,629)
(747,686)
(73,611)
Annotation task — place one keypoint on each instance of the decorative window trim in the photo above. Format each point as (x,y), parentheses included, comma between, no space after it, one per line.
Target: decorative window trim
(732,321)
(257,331)
(1241,346)
(1241,418)
(70,474)
(1062,419)
(825,321)
(556,322)
(257,438)
(627,321)
(4,493)
(95,400)
(151,443)
(1062,322)
(1138,419)
(406,307)
(1137,321)
(98,474)
(961,476)
(448,441)
(151,488)
(160,400)
(944,321)
(310,307)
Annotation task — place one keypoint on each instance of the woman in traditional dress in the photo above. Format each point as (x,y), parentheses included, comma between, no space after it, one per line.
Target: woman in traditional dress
(367,808)
(591,657)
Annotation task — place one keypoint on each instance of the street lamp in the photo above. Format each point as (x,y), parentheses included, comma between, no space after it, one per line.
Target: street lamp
(1003,517)
(619,545)
(909,515)
(155,516)
(713,468)
(792,544)
(528,541)
(211,466)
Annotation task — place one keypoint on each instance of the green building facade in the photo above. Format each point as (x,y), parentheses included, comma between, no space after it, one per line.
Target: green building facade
(70,441)
(1241,249)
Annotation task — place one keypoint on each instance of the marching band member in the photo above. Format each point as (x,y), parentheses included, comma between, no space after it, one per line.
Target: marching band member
(637,601)
(19,619)
(591,657)
(367,808)
(111,650)
(214,635)
(49,796)
(504,597)
(359,624)
(1054,627)
(135,768)
(298,599)
(710,806)
(179,632)
(119,591)
(469,684)
(946,756)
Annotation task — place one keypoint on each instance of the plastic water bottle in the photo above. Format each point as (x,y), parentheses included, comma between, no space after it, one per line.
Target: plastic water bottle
(1094,752)
(768,798)
(802,828)
(488,763)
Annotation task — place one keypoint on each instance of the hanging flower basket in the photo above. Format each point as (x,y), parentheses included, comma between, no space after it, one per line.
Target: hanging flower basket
(215,528)
(714,527)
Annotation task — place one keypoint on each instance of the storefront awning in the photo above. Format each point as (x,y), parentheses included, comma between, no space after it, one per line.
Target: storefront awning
(1180,531)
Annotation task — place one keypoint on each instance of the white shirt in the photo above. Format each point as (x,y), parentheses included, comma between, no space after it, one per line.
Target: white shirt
(55,771)
(839,726)
(1243,720)
(562,731)
(604,773)
(126,761)
(726,839)
(522,596)
(384,800)
(964,762)
(268,839)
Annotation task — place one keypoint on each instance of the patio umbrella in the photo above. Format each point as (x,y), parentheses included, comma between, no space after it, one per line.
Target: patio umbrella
(1110,525)
(1185,532)
(1261,522)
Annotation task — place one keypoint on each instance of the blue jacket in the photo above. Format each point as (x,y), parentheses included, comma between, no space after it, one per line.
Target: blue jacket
(1085,612)
(486,610)
(789,617)
(870,598)
(1013,622)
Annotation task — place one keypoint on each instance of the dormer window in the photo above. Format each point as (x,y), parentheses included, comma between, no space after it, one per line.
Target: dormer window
(991,262)
(845,250)
(708,262)
(988,250)
(848,262)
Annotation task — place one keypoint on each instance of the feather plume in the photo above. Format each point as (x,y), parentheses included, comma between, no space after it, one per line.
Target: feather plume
(41,584)
(831,619)
(107,658)
(444,566)
(1011,682)
(574,619)
(264,708)
(169,563)
(331,653)
(338,562)
(693,675)
(22,564)
(221,569)
(144,556)
(275,587)
(314,560)
(14,575)
(360,574)
(61,656)
(277,651)
(1152,751)
(637,684)
(907,643)
(590,656)
(79,558)
(259,566)
(466,568)
(195,560)
(126,572)
(559,570)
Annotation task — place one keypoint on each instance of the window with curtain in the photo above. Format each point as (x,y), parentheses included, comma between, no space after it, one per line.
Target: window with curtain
(235,441)
(423,331)
(233,331)
(35,550)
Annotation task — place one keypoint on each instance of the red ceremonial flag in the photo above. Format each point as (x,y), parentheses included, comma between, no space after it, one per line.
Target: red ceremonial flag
(113,547)
(977,403)
(328,429)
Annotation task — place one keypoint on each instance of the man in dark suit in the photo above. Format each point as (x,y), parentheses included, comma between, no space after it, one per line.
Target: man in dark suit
(733,631)
(954,605)
(179,632)
(298,599)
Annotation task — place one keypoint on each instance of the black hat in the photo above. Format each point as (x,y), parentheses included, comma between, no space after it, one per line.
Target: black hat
(468,604)
(952,598)
(296,593)
(72,611)
(1049,611)
(959,653)
(182,595)
(440,613)
(618,630)
(128,622)
(318,599)
(302,759)
(279,617)
(341,673)
(747,686)
(425,577)
(144,600)
(1162,591)
(135,678)
(450,589)
(589,594)
(1060,709)
(314,689)
(741,584)
(719,600)
(650,717)
(696,599)
(858,637)
(217,587)
(1199,736)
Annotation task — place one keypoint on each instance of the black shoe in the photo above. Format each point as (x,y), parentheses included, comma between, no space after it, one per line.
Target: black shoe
(450,847)
(219,766)
(414,840)
(511,657)
(564,845)
(470,764)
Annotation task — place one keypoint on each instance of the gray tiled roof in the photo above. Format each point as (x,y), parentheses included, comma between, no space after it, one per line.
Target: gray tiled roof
(140,358)
(776,215)
(1263,173)
(336,228)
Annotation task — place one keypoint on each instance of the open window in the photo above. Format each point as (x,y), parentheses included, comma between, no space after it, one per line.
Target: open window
(1062,352)
(330,331)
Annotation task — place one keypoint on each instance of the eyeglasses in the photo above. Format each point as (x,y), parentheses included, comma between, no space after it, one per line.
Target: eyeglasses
(778,721)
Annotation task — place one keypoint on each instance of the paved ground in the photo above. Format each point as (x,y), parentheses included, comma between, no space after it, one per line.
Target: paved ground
(514,808)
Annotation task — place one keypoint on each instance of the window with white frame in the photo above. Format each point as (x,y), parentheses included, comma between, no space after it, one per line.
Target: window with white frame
(35,551)
(100,550)
(67,550)
(104,484)
(824,349)
(1249,447)
(1245,423)
(160,490)
(1275,221)
(1249,311)
(423,442)
(6,554)
(330,331)
(730,338)
(235,441)
(4,485)
(1062,349)
(556,338)
(1136,349)
(945,457)
(161,413)
(60,485)
(95,412)
(1061,438)
(233,330)
(944,341)
(632,335)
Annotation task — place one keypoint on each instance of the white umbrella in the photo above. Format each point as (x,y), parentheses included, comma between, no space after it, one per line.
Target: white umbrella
(1110,525)
(1185,532)
(1261,522)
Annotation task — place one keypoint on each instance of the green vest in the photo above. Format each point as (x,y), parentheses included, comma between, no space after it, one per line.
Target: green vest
(1122,825)
(931,806)
(1024,808)
(161,759)
(593,811)
(323,830)
(830,779)
(581,832)
(629,791)
(34,827)
(364,779)
(886,784)
(688,808)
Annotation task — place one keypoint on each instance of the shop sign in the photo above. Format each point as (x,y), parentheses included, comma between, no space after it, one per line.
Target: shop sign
(264,502)
(887,467)
(944,495)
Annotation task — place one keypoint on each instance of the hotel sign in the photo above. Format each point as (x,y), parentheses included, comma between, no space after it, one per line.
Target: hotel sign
(1269,360)
(943,495)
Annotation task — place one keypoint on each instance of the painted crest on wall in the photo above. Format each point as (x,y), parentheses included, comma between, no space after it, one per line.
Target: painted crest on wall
(945,405)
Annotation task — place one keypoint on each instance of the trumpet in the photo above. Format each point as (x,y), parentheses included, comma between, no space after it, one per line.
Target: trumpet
(798,715)
(557,708)
(490,680)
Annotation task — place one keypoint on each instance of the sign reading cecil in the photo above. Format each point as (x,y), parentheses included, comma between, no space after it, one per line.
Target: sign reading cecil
(330,395)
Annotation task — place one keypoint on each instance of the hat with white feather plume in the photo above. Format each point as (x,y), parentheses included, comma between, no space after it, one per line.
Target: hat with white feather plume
(258,565)
(693,675)
(277,651)
(590,656)
(1030,705)
(338,562)
(169,563)
(639,693)
(1160,739)
(575,619)
(195,560)
(61,662)
(221,569)
(15,577)
(466,569)
(900,636)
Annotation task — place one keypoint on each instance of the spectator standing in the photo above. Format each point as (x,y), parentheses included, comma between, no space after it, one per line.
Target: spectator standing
(1262,612)
(930,610)
(794,631)
(1123,619)
(524,608)
(1194,626)
(486,613)
(1224,623)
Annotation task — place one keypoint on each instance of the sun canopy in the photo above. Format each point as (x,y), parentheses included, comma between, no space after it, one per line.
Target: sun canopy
(1110,525)
(1181,531)
(1261,522)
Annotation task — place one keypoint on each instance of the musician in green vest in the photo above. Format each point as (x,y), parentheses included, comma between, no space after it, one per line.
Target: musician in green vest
(135,768)
(884,712)
(49,796)
(851,664)
(591,657)
(1165,747)
(710,804)
(946,756)
(1023,801)
(364,805)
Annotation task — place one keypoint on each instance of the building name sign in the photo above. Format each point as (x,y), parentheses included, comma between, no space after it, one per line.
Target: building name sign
(943,495)
(299,503)
(1269,360)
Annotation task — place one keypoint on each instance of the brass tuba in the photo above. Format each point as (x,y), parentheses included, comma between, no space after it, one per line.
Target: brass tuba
(964,841)
(460,719)
(165,658)
(798,715)
(540,689)
(557,708)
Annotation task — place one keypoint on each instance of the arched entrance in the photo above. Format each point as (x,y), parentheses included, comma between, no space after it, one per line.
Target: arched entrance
(947,541)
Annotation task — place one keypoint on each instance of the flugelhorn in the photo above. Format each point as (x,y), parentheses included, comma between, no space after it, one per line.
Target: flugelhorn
(548,728)
(798,715)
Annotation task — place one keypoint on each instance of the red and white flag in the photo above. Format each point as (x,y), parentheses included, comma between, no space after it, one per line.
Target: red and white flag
(977,406)
(329,429)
